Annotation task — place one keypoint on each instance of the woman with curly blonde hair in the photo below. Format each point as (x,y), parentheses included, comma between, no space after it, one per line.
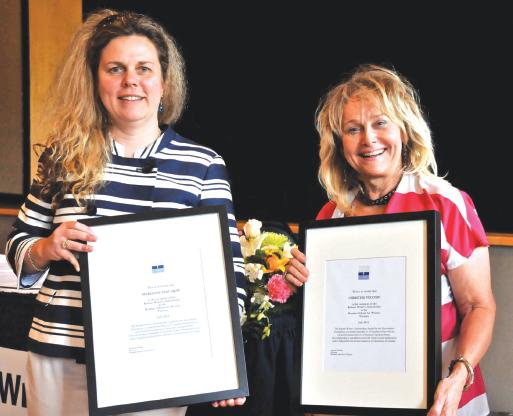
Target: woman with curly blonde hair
(77,120)
(110,150)
(376,157)
(397,98)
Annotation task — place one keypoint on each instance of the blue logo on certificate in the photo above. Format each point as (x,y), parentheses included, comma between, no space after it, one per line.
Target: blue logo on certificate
(159,268)
(363,273)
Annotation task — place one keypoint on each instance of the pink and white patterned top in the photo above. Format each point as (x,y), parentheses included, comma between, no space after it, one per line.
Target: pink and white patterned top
(461,233)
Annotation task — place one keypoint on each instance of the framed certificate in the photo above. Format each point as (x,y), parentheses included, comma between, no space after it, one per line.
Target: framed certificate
(160,311)
(371,315)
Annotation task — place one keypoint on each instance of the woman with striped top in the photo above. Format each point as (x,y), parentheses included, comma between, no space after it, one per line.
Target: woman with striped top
(110,150)
(377,158)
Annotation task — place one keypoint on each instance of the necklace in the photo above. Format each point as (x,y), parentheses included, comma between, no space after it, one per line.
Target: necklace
(363,198)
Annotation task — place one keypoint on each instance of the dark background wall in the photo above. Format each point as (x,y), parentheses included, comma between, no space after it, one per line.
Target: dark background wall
(257,71)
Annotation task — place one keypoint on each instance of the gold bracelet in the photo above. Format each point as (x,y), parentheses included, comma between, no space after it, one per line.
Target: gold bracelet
(31,260)
(470,370)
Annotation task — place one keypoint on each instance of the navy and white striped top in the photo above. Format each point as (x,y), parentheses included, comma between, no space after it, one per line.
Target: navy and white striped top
(173,172)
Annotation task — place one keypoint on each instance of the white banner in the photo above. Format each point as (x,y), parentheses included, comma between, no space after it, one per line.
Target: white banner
(13,397)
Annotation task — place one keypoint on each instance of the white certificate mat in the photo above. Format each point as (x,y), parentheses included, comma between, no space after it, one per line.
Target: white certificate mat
(365,314)
(371,314)
(160,310)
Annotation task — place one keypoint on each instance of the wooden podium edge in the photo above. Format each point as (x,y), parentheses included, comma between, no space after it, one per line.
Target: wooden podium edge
(495,239)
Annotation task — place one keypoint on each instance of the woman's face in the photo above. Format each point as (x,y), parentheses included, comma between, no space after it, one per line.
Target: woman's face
(130,81)
(371,141)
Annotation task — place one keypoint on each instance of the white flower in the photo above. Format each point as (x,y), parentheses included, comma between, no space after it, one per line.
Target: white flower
(252,229)
(287,247)
(249,246)
(253,271)
(243,318)
(259,298)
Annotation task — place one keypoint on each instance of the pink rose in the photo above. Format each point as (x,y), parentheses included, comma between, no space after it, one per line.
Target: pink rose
(279,290)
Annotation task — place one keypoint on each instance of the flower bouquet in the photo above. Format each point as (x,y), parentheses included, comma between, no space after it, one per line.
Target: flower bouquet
(265,257)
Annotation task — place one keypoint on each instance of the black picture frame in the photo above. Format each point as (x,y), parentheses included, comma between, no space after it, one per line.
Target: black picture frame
(322,239)
(148,230)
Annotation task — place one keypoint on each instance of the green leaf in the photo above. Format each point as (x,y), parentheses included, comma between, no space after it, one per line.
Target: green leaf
(259,253)
(257,258)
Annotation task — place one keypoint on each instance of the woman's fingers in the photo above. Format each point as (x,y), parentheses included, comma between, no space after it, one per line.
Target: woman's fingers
(72,245)
(297,273)
(230,402)
(69,256)
(447,397)
(240,401)
(76,231)
(293,280)
(298,269)
(80,234)
(64,242)
(298,255)
(70,234)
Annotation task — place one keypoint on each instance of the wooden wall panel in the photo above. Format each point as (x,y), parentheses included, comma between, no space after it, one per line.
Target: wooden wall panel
(11,104)
(51,24)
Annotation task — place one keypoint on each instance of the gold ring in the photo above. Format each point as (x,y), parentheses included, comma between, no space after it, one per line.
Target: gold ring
(65,244)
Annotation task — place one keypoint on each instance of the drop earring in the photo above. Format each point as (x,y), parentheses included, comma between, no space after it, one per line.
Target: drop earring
(161,106)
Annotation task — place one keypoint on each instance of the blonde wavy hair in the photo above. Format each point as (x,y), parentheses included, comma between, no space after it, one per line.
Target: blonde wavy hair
(76,149)
(398,100)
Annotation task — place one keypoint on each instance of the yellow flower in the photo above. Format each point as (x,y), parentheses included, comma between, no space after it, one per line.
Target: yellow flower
(275,260)
(266,332)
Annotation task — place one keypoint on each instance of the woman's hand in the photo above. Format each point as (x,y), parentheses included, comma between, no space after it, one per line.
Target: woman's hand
(61,244)
(230,402)
(448,393)
(296,273)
